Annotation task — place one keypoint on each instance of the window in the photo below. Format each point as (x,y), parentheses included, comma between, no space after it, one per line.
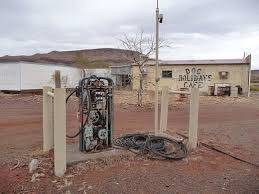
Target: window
(223,75)
(167,74)
(125,80)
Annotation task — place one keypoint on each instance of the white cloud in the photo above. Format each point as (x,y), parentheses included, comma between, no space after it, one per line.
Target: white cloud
(199,46)
(200,29)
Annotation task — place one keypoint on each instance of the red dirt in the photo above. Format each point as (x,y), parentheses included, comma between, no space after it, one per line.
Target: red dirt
(230,127)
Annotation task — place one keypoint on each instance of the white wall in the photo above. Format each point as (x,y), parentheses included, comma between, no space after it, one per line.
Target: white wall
(10,76)
(17,76)
(35,76)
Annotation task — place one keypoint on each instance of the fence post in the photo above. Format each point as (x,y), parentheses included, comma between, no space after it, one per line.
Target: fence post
(164,109)
(59,131)
(193,119)
(57,79)
(48,133)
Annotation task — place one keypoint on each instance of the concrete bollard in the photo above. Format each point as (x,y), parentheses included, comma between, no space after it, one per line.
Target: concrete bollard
(59,131)
(48,132)
(164,109)
(193,119)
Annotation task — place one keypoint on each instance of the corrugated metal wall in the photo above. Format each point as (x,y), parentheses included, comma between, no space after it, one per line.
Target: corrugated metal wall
(10,76)
(35,76)
(30,76)
(121,70)
(100,73)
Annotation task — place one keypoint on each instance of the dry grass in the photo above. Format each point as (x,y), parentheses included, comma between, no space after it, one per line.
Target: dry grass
(129,98)
(254,88)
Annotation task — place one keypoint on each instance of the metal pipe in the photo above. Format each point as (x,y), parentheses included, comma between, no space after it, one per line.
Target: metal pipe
(156,72)
(249,77)
(178,92)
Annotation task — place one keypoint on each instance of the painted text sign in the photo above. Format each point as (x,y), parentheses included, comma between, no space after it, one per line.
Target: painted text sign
(194,77)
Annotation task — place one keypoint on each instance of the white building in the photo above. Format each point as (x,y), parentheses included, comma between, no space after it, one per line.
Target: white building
(20,76)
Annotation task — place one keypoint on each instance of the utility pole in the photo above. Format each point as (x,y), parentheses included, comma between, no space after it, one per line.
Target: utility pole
(249,58)
(159,19)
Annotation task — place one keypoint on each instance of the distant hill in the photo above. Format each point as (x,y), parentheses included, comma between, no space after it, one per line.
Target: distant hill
(96,57)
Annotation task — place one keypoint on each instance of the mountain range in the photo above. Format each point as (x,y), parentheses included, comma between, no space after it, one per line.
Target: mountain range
(77,58)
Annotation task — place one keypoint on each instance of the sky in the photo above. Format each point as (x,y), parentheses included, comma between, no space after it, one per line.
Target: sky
(197,29)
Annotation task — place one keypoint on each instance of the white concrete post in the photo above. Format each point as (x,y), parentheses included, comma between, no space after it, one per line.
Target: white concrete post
(193,119)
(164,109)
(48,132)
(59,131)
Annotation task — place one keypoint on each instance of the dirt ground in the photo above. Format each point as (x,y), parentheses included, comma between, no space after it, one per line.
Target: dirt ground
(229,124)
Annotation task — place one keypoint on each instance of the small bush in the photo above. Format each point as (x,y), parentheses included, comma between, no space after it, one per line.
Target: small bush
(254,88)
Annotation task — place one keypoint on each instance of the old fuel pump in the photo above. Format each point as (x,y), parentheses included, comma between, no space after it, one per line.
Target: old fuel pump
(95,113)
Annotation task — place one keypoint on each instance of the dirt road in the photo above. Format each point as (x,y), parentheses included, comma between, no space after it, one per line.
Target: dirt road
(232,127)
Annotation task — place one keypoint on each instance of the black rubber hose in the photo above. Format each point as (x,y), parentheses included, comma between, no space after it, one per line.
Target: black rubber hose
(73,136)
(179,153)
(71,94)
(156,146)
(81,85)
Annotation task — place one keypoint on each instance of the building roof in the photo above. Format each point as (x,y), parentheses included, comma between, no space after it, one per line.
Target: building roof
(202,62)
(36,63)
(245,60)
(120,66)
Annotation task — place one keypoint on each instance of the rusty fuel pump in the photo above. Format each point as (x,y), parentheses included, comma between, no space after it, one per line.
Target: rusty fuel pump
(95,113)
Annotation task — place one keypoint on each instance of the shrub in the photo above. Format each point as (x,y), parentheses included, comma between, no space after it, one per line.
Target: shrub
(254,88)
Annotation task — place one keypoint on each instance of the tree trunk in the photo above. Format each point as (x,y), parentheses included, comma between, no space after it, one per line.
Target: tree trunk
(140,91)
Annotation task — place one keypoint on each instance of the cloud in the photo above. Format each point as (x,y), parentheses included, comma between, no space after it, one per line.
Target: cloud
(214,46)
(198,29)
(213,16)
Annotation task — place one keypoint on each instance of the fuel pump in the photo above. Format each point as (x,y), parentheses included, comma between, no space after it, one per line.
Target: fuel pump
(95,113)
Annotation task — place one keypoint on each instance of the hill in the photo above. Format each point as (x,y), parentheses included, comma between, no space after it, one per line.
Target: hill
(77,58)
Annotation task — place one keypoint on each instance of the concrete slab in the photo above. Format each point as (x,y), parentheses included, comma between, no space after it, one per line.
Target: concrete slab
(171,135)
(74,156)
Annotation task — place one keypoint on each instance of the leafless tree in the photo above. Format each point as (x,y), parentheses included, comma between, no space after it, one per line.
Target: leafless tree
(140,47)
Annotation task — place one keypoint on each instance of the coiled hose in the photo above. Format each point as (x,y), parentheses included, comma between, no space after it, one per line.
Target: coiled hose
(157,147)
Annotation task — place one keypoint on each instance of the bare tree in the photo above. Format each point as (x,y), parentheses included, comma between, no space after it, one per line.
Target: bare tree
(140,47)
(83,61)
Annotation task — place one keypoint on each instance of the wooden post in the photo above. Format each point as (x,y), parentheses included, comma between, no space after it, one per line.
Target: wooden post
(48,132)
(57,79)
(59,131)
(164,109)
(193,119)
